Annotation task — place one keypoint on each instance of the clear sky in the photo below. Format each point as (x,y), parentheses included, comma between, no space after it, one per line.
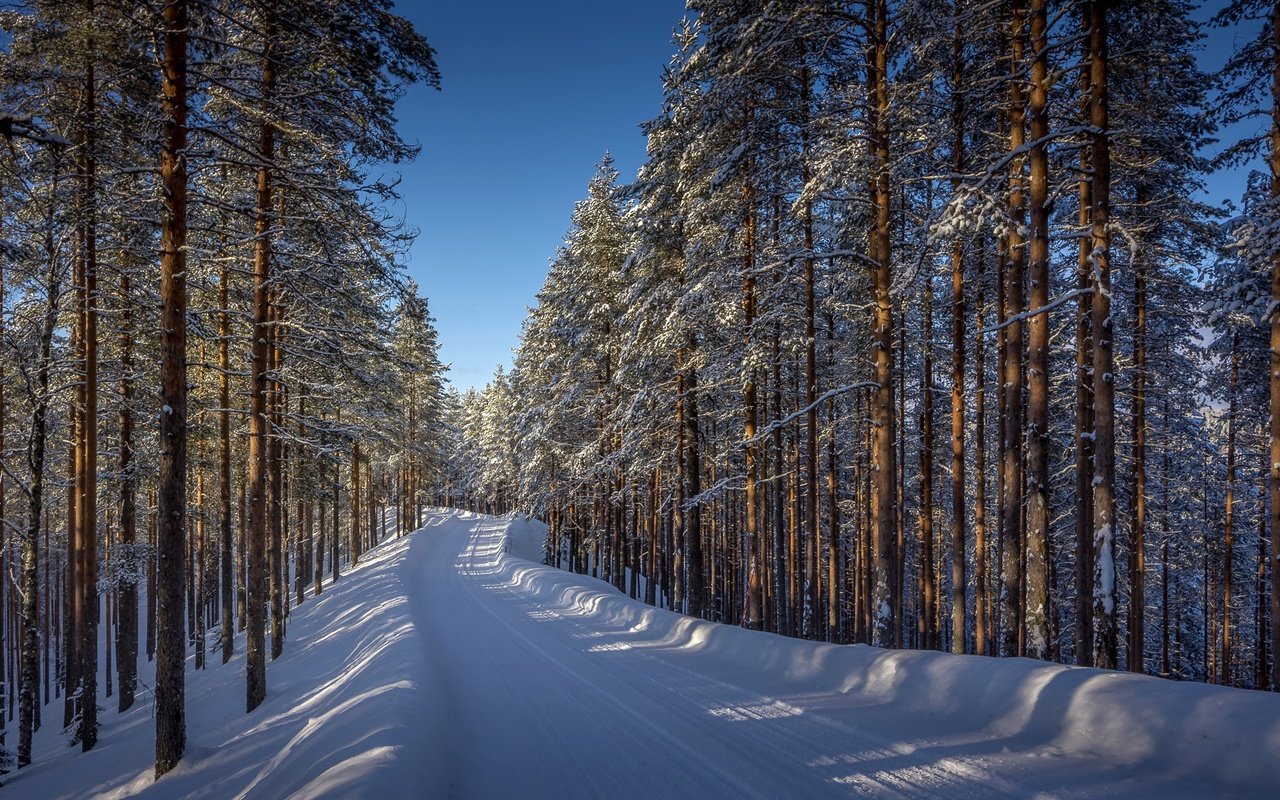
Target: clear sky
(533,94)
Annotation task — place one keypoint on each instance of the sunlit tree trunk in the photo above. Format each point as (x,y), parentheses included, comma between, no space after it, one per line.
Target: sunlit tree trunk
(885,585)
(170,713)
(1011,595)
(259,459)
(1104,501)
(224,464)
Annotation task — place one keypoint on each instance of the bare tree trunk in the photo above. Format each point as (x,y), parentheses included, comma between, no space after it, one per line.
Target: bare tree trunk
(1104,500)
(198,628)
(276,565)
(1011,597)
(1228,524)
(1084,382)
(754,617)
(87,472)
(224,464)
(1274,472)
(127,624)
(885,587)
(1261,677)
(1164,551)
(258,511)
(1037,613)
(958,577)
(354,540)
(1136,657)
(980,622)
(925,619)
(171,735)
(692,517)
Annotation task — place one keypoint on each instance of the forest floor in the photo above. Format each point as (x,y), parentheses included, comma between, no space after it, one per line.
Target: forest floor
(449,664)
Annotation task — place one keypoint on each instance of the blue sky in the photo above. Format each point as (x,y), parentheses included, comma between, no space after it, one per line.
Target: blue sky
(533,95)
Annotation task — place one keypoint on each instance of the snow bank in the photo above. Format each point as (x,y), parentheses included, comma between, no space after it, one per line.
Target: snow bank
(526,538)
(1190,739)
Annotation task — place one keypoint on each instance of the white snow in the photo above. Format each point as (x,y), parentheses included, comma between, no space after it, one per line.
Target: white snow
(447,665)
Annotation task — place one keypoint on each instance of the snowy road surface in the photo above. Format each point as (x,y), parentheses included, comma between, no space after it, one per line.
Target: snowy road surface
(445,667)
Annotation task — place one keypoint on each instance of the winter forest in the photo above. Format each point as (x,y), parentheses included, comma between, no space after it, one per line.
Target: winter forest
(916,329)
(913,330)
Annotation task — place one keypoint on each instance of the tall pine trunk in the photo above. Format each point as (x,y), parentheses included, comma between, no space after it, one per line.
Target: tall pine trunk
(885,583)
(1084,380)
(1104,442)
(1136,658)
(259,509)
(224,465)
(958,578)
(127,625)
(1011,602)
(1228,523)
(1037,615)
(171,734)
(1275,354)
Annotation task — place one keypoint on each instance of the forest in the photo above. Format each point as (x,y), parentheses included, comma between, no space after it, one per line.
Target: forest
(917,329)
(217,382)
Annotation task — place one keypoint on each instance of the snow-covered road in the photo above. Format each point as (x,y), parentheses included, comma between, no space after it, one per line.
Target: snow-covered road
(546,694)
(447,666)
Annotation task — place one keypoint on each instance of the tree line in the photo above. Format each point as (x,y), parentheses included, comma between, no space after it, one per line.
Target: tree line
(217,383)
(915,329)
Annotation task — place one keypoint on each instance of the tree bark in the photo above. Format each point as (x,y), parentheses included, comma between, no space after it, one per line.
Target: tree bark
(1011,597)
(958,578)
(1136,657)
(87,466)
(1274,361)
(980,622)
(1228,523)
(171,736)
(1104,571)
(224,465)
(925,619)
(1084,381)
(1037,614)
(276,563)
(258,510)
(754,617)
(885,591)
(127,626)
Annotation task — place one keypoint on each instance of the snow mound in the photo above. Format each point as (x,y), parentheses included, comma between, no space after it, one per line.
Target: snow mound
(1137,735)
(526,538)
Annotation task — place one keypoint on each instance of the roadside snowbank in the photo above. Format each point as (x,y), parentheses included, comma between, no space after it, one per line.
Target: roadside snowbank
(1191,738)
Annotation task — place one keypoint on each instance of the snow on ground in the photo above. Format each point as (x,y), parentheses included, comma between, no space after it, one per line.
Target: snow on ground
(450,665)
